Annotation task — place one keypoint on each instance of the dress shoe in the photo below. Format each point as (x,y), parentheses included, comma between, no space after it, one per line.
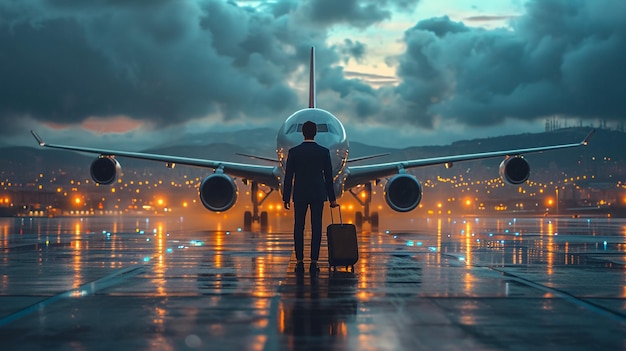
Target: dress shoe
(299,267)
(314,267)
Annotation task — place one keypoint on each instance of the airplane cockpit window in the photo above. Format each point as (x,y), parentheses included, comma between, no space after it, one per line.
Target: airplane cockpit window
(321,128)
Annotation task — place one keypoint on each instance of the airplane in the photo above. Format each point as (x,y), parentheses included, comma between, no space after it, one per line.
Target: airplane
(402,192)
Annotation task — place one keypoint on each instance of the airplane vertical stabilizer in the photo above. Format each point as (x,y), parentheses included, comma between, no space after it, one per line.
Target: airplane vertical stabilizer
(312,98)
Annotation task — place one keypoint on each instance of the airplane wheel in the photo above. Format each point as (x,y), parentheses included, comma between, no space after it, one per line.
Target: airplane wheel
(358,219)
(247,220)
(264,221)
(374,221)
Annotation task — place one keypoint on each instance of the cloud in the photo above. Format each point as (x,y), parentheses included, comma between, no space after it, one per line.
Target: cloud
(563,57)
(163,64)
(351,50)
(357,13)
(168,62)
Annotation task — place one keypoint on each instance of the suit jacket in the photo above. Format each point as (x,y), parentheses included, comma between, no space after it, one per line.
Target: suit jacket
(310,170)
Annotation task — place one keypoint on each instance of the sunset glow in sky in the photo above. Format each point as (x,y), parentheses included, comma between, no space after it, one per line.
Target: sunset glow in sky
(396,72)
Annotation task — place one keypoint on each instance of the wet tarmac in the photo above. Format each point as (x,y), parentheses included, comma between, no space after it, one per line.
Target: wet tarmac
(168,283)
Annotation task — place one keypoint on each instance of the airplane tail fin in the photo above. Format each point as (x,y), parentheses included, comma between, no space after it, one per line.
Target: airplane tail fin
(312,98)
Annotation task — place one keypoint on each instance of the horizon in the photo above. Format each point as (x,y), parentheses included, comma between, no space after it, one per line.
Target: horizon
(272,138)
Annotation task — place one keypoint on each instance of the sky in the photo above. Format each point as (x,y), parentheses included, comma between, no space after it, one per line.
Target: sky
(397,73)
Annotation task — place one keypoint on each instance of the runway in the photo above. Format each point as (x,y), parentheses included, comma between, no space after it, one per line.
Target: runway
(438,283)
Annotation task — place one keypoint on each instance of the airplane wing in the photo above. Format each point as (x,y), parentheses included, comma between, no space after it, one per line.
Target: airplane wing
(267,175)
(362,174)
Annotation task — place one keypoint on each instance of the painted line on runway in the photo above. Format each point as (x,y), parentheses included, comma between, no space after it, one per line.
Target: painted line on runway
(83,290)
(620,317)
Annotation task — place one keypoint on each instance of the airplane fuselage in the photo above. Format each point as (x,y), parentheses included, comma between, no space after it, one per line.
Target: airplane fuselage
(330,133)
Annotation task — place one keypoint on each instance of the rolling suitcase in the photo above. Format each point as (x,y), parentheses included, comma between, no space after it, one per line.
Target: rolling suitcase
(343,249)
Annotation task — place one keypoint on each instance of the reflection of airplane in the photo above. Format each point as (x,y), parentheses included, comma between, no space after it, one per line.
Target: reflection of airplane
(403,191)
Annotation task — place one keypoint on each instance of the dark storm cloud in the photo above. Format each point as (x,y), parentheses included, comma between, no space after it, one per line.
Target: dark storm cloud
(64,61)
(563,57)
(358,13)
(169,61)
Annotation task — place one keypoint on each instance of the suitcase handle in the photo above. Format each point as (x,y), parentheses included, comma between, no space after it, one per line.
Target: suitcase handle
(332,220)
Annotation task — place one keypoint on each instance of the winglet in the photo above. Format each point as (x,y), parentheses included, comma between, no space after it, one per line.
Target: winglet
(38,138)
(586,140)
(312,99)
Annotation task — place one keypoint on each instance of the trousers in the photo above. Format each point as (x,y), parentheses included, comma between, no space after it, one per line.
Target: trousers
(300,210)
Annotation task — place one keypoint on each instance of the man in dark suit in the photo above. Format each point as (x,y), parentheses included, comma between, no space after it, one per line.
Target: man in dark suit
(309,163)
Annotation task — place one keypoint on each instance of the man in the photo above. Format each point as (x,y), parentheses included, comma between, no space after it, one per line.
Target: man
(310,170)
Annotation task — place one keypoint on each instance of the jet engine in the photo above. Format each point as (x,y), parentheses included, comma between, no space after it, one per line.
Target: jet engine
(403,192)
(105,169)
(218,192)
(514,170)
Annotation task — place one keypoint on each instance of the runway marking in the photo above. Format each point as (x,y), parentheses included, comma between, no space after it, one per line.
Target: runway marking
(615,315)
(83,290)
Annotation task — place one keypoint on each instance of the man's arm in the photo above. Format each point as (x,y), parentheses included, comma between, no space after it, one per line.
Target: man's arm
(328,180)
(288,181)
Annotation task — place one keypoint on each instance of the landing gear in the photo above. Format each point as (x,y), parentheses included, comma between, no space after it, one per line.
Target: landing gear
(258,197)
(358,219)
(247,220)
(364,197)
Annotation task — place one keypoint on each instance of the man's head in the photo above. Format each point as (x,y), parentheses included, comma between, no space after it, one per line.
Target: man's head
(309,129)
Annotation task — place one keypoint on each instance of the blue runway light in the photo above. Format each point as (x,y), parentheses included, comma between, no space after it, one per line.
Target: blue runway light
(432,249)
(410,243)
(238,229)
(146,259)
(490,234)
(169,250)
(196,243)
(419,243)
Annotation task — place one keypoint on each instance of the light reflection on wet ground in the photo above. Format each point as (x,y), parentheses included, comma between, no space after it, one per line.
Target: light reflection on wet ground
(437,283)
